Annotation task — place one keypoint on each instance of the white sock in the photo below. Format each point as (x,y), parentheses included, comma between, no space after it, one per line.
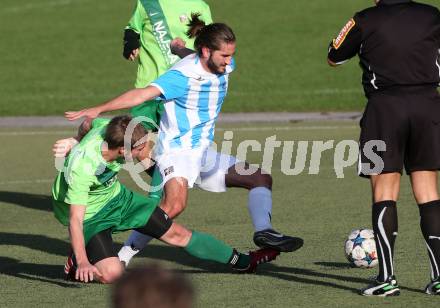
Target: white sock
(260,208)
(126,253)
(135,243)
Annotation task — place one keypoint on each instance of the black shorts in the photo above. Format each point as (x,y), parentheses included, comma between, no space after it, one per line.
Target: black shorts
(101,245)
(400,128)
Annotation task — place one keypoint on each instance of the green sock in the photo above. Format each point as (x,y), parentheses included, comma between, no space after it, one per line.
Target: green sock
(156,182)
(205,246)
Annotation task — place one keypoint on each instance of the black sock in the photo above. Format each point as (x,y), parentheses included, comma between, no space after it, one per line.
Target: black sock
(239,260)
(385,232)
(430,225)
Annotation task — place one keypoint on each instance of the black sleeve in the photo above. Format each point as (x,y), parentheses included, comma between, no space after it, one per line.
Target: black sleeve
(131,42)
(437,32)
(347,44)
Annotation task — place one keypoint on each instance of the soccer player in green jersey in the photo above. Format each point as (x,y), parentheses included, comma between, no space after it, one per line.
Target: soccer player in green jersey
(153,25)
(89,199)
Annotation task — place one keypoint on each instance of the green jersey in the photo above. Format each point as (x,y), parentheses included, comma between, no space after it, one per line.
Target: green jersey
(87,178)
(158,22)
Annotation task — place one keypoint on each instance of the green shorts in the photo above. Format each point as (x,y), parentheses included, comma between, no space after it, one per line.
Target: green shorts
(150,109)
(128,210)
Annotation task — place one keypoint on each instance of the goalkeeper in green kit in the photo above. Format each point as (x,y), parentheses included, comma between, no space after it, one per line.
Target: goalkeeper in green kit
(90,200)
(153,25)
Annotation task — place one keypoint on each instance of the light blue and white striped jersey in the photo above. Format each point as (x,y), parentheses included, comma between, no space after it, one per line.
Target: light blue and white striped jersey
(193,99)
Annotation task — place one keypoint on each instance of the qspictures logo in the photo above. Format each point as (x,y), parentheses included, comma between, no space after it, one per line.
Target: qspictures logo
(297,156)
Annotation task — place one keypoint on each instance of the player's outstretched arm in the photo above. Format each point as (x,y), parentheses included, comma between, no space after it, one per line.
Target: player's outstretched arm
(85,271)
(178,48)
(127,100)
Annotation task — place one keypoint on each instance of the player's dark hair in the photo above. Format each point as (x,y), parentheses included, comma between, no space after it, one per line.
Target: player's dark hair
(152,286)
(210,36)
(195,24)
(114,135)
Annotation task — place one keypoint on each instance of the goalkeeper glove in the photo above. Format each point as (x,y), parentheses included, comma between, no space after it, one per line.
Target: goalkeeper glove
(131,42)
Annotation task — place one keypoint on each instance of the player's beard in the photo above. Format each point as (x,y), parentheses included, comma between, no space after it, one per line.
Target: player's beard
(216,69)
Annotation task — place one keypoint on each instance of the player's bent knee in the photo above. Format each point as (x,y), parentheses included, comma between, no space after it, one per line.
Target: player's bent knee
(110,269)
(177,235)
(111,274)
(262,180)
(179,207)
(173,209)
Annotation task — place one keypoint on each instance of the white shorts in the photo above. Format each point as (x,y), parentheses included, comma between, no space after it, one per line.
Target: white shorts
(204,168)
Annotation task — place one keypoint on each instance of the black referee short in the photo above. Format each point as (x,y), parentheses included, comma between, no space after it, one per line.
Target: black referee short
(400,127)
(101,247)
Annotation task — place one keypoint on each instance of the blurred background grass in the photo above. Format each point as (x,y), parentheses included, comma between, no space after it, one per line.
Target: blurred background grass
(66,54)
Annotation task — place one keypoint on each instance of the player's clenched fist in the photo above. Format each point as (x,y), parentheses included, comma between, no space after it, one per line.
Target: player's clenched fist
(176,44)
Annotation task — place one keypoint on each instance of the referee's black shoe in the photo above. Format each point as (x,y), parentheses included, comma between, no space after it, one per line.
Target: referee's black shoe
(270,238)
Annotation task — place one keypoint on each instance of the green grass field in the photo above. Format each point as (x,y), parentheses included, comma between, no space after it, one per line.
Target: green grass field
(66,54)
(320,208)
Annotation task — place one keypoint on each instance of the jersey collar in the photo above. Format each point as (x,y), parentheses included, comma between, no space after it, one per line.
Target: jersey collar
(390,2)
(191,67)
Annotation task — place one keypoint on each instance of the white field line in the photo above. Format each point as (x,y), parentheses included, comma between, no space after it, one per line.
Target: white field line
(285,128)
(43,133)
(235,129)
(50,181)
(264,128)
(320,91)
(276,128)
(34,181)
(40,5)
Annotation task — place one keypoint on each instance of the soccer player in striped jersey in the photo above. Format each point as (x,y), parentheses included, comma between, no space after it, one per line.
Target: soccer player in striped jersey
(193,91)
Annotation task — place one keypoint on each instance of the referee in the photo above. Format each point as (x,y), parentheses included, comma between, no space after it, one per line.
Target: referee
(398,44)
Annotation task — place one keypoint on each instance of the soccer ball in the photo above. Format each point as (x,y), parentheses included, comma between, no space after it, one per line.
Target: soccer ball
(360,248)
